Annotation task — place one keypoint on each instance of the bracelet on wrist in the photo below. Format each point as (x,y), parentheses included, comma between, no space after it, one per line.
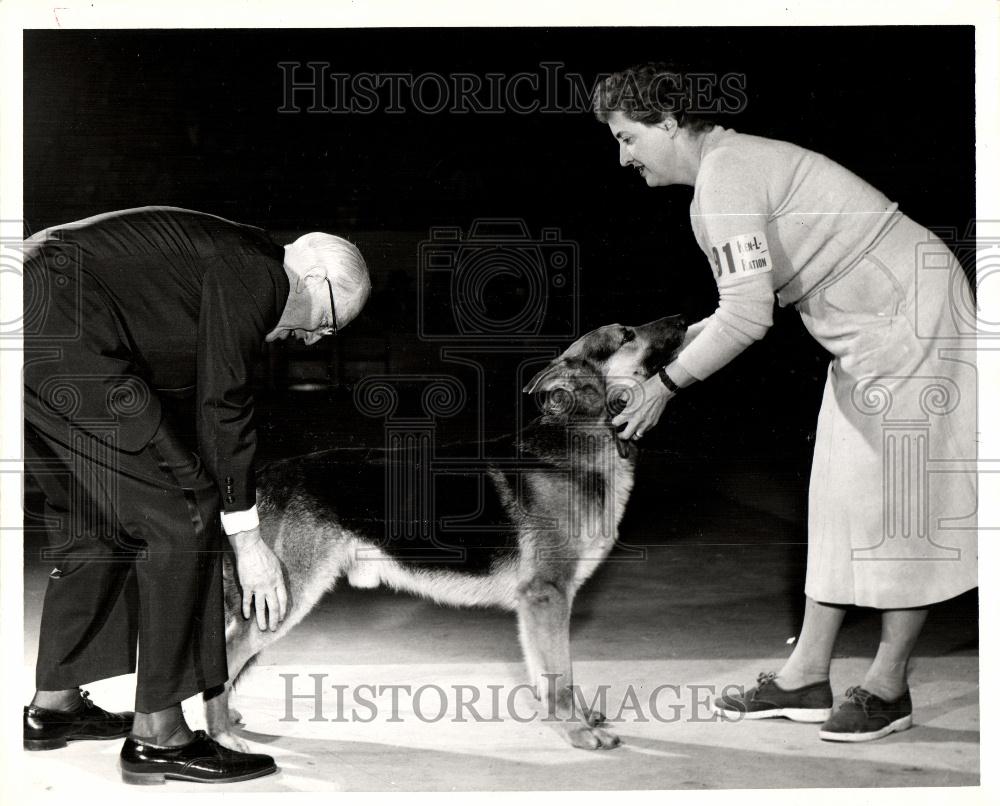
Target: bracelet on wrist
(668,381)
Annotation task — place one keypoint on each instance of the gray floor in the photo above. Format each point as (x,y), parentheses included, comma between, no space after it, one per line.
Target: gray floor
(694,602)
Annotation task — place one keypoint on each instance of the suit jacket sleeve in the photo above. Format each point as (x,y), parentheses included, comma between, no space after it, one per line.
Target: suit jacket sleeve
(237,311)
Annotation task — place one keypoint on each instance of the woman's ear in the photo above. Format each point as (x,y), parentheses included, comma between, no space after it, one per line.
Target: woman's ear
(669,125)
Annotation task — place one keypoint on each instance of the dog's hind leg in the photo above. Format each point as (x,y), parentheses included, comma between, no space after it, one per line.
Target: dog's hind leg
(543,612)
(243,641)
(219,720)
(220,717)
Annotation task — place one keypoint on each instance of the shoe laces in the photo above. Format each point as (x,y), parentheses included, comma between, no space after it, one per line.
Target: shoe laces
(85,702)
(860,697)
(763,679)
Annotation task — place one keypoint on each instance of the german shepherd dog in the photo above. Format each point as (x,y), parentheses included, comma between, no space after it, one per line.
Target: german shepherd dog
(546,520)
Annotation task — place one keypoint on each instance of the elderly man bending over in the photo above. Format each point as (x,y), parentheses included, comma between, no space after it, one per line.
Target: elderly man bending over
(126,311)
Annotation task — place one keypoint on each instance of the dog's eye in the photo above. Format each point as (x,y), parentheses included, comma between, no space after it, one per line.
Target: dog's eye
(628,335)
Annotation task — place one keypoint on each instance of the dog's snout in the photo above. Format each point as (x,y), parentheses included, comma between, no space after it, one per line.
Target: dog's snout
(665,328)
(663,338)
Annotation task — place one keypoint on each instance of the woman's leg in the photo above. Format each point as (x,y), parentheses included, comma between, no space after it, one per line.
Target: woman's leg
(863,718)
(801,690)
(886,678)
(810,661)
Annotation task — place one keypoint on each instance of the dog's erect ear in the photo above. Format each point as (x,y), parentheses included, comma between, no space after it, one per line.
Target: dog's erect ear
(567,387)
(552,388)
(544,379)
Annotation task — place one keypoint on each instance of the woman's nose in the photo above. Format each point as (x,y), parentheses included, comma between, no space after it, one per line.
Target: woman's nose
(623,155)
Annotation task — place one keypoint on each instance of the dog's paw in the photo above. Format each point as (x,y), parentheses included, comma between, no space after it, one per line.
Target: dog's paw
(232,741)
(592,738)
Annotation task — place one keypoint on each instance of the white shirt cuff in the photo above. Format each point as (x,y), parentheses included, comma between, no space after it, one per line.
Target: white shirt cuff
(233,522)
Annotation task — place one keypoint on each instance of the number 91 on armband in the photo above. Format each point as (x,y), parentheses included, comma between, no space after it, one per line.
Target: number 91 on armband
(741,256)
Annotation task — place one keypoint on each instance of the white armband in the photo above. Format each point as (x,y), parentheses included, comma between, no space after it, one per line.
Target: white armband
(740,257)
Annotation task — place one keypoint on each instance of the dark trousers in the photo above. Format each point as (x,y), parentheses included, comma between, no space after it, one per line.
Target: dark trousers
(135,546)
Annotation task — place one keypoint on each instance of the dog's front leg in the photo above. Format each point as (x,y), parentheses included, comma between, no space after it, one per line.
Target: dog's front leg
(543,625)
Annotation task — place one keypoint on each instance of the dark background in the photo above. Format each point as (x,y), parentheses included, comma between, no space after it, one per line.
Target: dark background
(117,119)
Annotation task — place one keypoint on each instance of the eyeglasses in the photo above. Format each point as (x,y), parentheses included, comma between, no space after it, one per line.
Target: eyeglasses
(333,309)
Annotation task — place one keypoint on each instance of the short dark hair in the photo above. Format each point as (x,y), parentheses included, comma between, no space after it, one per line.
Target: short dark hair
(647,93)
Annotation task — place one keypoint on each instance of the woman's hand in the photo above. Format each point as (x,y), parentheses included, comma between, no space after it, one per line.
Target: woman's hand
(644,408)
(260,578)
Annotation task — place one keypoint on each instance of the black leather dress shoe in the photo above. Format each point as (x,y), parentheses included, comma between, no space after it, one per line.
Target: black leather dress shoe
(202,759)
(45,729)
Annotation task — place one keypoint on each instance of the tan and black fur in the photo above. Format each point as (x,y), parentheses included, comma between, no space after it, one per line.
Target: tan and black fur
(548,511)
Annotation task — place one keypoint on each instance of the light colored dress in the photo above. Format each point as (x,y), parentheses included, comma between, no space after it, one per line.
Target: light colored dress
(892,495)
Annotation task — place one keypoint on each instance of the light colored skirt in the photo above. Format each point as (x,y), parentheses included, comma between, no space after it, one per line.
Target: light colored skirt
(893,493)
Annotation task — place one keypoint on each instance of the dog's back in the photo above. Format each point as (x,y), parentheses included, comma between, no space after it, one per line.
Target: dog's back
(456,528)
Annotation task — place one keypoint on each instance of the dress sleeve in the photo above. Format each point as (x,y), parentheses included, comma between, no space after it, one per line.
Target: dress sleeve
(234,318)
(729,217)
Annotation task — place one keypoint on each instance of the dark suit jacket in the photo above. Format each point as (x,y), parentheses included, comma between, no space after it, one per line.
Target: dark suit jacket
(127,307)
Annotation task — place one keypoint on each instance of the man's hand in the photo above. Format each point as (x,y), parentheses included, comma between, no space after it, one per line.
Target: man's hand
(260,578)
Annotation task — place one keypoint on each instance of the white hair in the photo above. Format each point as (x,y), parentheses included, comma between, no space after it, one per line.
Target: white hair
(340,262)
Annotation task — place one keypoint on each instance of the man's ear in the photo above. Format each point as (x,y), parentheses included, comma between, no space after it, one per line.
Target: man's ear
(310,280)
